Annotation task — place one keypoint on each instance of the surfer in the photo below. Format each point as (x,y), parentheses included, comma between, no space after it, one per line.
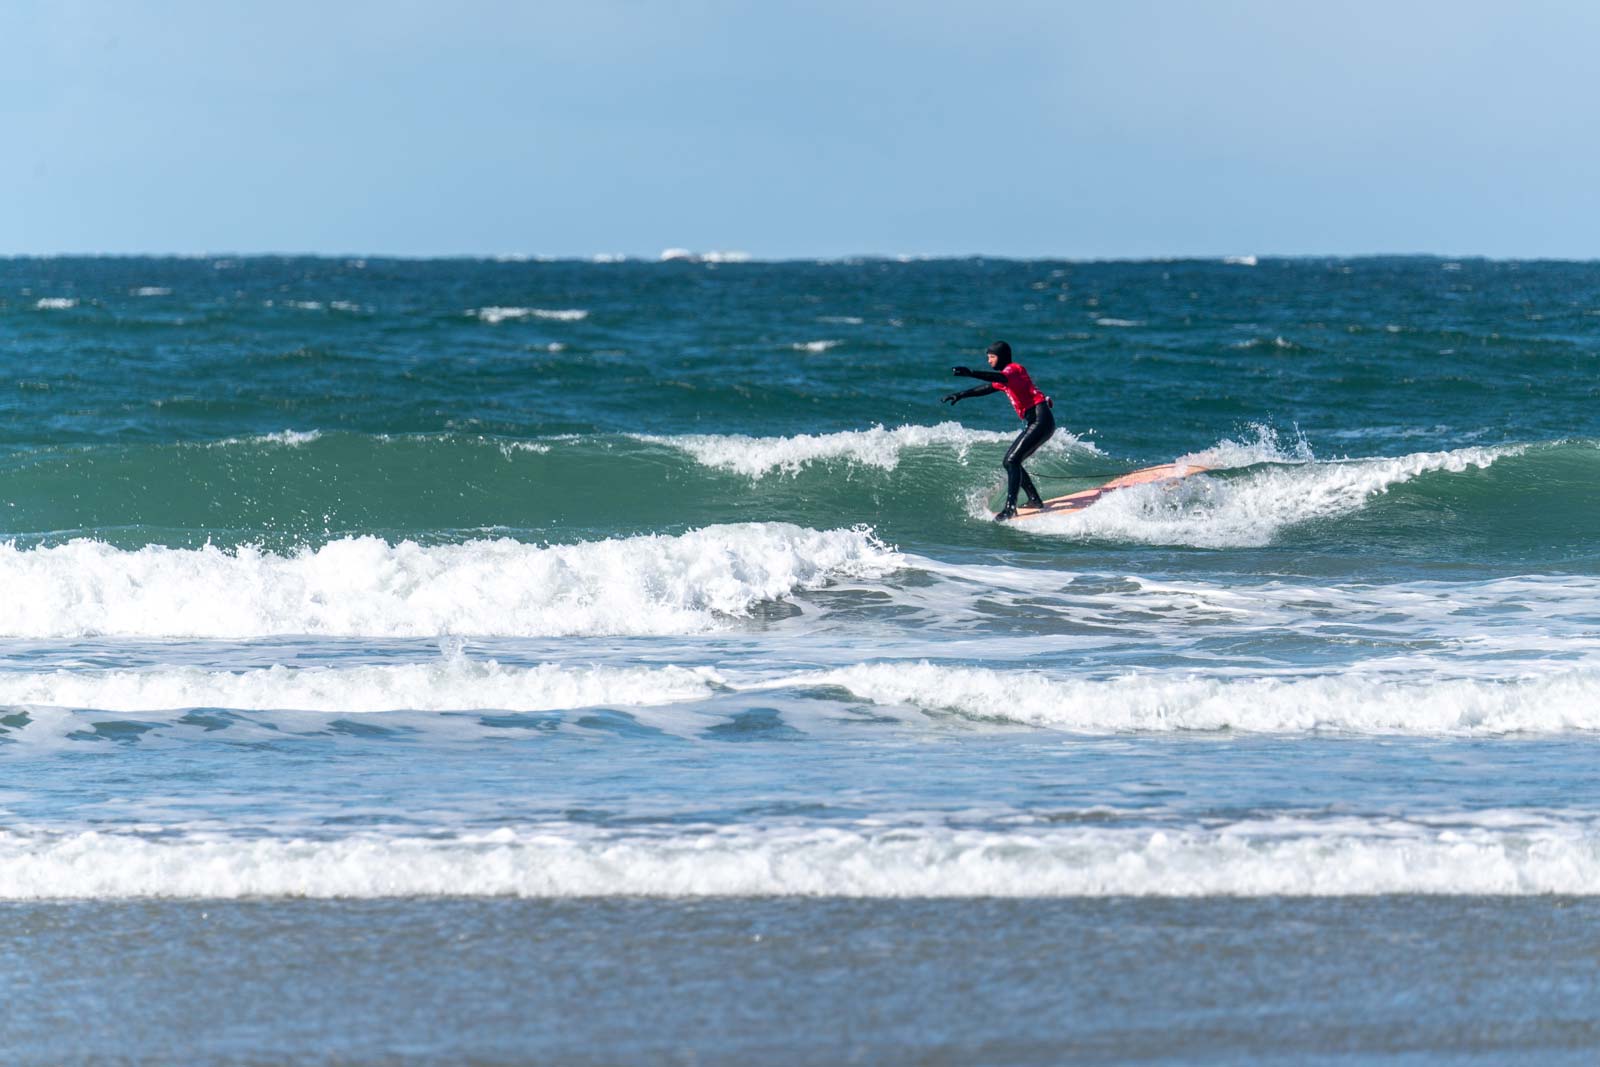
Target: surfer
(1033,408)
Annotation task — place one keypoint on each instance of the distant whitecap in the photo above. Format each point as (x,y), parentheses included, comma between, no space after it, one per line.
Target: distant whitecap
(495,315)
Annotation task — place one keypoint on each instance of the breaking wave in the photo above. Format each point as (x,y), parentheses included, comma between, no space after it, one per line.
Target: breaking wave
(366,586)
(1253,506)
(447,684)
(1513,853)
(1361,703)
(877,447)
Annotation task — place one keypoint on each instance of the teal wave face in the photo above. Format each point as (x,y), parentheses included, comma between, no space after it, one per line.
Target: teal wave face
(306,488)
(1510,505)
(1535,506)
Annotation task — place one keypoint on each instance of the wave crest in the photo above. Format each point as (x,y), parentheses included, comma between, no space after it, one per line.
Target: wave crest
(1284,856)
(755,457)
(495,315)
(449,684)
(1353,703)
(364,586)
(1251,509)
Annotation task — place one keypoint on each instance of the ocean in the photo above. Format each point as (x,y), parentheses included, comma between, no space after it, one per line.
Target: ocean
(492,662)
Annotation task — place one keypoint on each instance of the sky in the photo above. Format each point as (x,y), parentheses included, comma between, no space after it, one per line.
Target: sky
(1071,129)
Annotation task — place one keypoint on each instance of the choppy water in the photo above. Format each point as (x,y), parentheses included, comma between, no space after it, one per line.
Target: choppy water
(383,579)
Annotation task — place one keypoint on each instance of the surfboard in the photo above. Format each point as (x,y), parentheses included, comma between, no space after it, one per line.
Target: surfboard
(1166,472)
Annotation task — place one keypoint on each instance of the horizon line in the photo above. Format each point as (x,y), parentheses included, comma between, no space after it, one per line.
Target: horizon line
(720,257)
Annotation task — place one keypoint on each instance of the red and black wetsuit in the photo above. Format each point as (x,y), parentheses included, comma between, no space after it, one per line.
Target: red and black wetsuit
(1018,387)
(1033,408)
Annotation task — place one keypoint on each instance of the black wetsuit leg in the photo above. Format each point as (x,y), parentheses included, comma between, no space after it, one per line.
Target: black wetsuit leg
(1040,428)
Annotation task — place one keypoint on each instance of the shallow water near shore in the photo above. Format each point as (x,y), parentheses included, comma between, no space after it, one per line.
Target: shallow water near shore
(1385,980)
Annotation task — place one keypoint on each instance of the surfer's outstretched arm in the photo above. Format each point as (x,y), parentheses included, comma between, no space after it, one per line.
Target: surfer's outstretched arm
(952,398)
(977,390)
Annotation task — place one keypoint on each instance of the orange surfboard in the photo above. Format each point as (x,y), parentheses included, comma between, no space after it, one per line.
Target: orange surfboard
(1166,472)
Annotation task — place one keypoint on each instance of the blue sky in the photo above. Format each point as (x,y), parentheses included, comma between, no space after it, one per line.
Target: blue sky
(1128,129)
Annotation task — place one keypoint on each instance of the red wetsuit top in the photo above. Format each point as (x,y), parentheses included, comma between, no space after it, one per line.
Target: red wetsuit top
(1020,388)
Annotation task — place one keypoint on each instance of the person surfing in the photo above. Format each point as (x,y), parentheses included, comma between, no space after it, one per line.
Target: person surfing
(1033,408)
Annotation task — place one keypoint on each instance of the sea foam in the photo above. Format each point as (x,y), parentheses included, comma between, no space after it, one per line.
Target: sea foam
(494,315)
(447,684)
(877,447)
(1360,702)
(1511,853)
(287,438)
(1253,508)
(365,586)
(1352,702)
(1262,444)
(685,255)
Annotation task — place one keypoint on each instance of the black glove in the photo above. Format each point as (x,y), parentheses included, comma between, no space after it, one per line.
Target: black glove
(951,399)
(961,372)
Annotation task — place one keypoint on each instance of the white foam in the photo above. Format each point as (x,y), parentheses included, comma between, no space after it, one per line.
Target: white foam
(287,438)
(365,586)
(292,438)
(1510,853)
(815,346)
(47,729)
(494,315)
(447,684)
(1264,444)
(1251,509)
(1118,322)
(537,448)
(1240,261)
(878,447)
(56,303)
(152,290)
(1262,342)
(688,256)
(1355,702)
(1503,628)
(1396,695)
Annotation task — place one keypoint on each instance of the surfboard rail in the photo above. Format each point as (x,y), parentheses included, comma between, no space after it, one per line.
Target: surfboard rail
(1060,505)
